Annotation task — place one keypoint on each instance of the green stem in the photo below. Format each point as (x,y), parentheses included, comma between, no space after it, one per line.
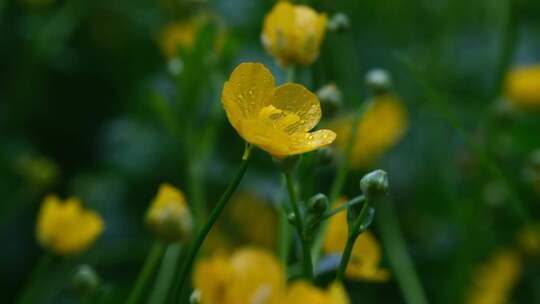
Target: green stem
(150,264)
(299,224)
(345,257)
(28,295)
(396,250)
(355,201)
(166,274)
(216,212)
(341,175)
(354,232)
(284,238)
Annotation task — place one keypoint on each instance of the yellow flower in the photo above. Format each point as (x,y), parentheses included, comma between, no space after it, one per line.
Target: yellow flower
(254,219)
(177,35)
(366,254)
(277,120)
(493,281)
(169,214)
(523,87)
(303,292)
(293,33)
(529,239)
(381,127)
(248,276)
(65,228)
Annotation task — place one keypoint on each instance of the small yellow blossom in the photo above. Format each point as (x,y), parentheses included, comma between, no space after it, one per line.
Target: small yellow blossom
(293,33)
(248,276)
(381,127)
(493,282)
(523,87)
(366,254)
(303,292)
(254,219)
(276,119)
(65,228)
(169,215)
(177,35)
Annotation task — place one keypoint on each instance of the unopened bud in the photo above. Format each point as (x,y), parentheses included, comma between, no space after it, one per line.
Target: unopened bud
(195,297)
(287,164)
(292,218)
(378,81)
(318,204)
(374,184)
(331,98)
(339,23)
(326,155)
(85,280)
(169,216)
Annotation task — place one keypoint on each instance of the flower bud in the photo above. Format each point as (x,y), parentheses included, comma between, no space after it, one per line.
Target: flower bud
(374,184)
(331,98)
(168,216)
(318,204)
(326,155)
(85,279)
(287,164)
(378,81)
(339,23)
(195,297)
(291,217)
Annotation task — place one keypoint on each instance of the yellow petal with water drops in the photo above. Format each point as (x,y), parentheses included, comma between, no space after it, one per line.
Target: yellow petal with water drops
(305,142)
(246,92)
(295,99)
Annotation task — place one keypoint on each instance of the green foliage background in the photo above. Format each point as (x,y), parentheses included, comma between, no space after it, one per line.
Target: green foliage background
(83,84)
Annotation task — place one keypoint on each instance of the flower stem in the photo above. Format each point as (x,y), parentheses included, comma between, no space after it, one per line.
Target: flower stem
(166,274)
(216,212)
(299,224)
(398,256)
(42,266)
(150,264)
(341,175)
(354,231)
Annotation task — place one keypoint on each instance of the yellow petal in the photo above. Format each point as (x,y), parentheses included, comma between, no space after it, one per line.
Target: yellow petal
(295,99)
(305,142)
(246,92)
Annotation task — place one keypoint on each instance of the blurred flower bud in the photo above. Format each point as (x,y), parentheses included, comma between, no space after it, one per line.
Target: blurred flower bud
(287,164)
(85,280)
(378,81)
(339,23)
(291,217)
(326,155)
(318,204)
(195,297)
(374,184)
(39,172)
(169,216)
(331,99)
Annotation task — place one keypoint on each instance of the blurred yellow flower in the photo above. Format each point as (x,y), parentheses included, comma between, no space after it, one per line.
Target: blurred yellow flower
(254,219)
(381,127)
(277,120)
(293,33)
(169,215)
(248,276)
(493,282)
(366,254)
(303,292)
(177,35)
(529,239)
(523,87)
(65,228)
